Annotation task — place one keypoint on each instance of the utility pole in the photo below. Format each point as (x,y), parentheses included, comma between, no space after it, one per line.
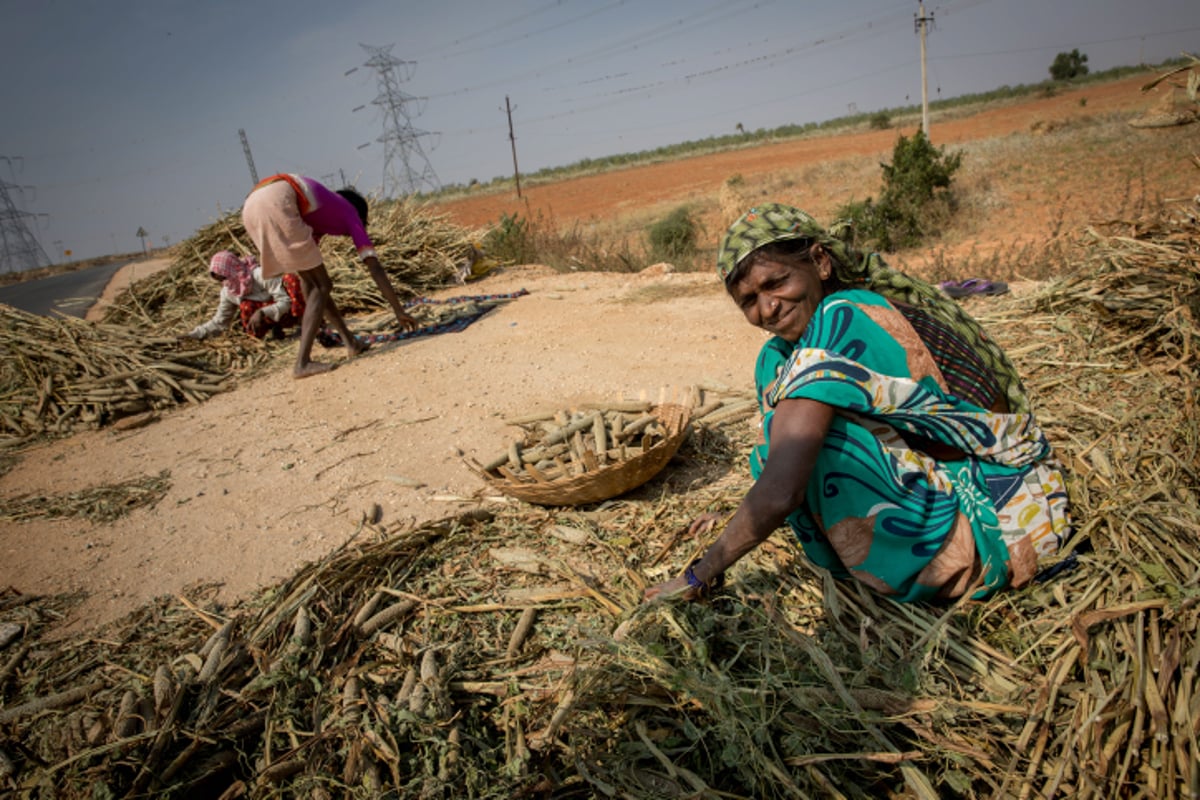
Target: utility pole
(249,158)
(513,140)
(922,22)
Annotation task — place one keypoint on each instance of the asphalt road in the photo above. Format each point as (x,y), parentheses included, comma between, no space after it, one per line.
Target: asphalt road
(71,293)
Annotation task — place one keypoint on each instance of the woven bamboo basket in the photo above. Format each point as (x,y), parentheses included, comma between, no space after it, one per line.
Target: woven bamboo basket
(608,480)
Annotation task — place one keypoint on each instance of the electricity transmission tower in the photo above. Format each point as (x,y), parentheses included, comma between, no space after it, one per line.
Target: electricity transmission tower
(19,248)
(249,157)
(405,166)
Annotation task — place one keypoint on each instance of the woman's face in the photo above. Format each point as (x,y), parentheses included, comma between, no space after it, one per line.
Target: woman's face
(781,296)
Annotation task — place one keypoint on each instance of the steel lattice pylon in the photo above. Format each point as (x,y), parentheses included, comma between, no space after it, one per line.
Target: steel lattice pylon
(406,168)
(19,248)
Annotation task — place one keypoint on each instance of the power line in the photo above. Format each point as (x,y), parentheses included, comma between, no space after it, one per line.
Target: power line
(1047,47)
(643,38)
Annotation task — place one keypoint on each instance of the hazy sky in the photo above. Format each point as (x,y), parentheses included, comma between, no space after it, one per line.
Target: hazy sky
(125,114)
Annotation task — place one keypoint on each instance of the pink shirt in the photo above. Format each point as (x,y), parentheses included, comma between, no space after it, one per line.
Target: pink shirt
(330,214)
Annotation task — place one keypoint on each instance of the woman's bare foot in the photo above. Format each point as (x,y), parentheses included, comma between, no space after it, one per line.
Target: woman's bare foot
(355,347)
(312,368)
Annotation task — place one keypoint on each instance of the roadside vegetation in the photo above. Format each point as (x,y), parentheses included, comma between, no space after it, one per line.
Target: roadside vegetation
(916,199)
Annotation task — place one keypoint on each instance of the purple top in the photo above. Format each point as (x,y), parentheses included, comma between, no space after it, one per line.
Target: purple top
(331,214)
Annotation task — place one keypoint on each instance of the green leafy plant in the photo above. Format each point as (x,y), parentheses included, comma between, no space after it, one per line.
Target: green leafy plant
(915,200)
(1070,65)
(511,240)
(674,237)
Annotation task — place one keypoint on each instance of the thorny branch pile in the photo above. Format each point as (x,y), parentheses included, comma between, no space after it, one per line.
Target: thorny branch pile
(505,653)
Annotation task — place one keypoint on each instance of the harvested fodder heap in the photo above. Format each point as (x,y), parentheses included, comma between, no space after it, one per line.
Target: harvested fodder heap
(508,654)
(63,374)
(420,251)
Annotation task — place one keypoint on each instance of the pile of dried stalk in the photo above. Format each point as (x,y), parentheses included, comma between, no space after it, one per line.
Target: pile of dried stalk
(59,374)
(505,653)
(571,442)
(419,249)
(97,504)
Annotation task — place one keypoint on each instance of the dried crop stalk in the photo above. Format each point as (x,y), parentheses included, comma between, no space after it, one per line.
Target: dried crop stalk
(575,443)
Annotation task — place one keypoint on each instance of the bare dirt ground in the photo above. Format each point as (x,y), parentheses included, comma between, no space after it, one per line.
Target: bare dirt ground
(278,472)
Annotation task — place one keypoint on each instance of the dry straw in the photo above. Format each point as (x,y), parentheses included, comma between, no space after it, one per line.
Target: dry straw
(506,653)
(62,374)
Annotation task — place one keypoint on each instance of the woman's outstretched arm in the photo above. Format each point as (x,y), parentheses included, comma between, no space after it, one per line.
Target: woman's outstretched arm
(798,430)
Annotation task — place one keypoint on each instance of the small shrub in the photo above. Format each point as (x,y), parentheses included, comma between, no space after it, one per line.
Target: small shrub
(539,241)
(674,237)
(915,201)
(880,121)
(511,241)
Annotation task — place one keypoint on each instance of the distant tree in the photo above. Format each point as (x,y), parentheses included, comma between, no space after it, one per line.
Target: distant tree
(739,128)
(1069,65)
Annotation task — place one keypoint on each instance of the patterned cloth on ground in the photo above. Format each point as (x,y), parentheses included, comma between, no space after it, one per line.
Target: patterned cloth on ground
(474,306)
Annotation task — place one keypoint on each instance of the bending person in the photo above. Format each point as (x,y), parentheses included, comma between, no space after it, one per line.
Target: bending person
(263,304)
(286,216)
(899,445)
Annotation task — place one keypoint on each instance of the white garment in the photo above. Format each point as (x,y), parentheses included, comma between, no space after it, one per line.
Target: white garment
(262,290)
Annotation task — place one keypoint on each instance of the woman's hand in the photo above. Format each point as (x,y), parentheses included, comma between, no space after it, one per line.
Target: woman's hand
(703,524)
(676,588)
(406,321)
(679,587)
(258,323)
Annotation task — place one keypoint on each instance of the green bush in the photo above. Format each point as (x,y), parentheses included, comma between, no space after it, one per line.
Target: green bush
(674,237)
(511,241)
(880,121)
(915,201)
(1069,65)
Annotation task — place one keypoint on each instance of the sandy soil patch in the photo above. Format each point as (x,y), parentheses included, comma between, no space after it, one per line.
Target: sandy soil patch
(279,471)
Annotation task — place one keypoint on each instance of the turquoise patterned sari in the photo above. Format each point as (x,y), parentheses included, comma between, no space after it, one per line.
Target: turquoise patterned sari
(878,507)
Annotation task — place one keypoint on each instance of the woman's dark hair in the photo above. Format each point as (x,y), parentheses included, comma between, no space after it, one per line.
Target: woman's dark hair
(358,201)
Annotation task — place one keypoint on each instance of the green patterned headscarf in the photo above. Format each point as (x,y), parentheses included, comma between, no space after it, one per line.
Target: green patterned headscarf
(776,222)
